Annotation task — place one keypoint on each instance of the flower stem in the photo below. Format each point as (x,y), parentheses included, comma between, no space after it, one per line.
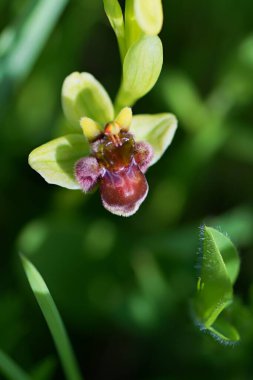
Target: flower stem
(132,30)
(123,99)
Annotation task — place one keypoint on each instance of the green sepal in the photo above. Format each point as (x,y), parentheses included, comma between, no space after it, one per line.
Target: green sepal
(55,160)
(158,130)
(84,96)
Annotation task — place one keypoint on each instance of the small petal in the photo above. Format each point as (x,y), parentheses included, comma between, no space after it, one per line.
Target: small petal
(124,118)
(87,172)
(123,192)
(90,128)
(143,155)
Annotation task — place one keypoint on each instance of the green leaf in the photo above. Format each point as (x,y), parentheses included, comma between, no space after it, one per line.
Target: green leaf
(55,160)
(114,13)
(218,272)
(228,252)
(53,320)
(215,290)
(10,369)
(83,95)
(149,15)
(224,332)
(158,130)
(141,69)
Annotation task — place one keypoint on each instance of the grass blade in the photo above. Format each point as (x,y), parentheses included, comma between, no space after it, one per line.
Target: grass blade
(10,369)
(21,43)
(53,320)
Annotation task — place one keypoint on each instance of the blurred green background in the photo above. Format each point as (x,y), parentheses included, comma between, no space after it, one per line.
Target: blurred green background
(123,286)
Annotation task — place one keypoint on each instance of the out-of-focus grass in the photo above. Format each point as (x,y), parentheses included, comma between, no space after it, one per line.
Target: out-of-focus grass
(21,43)
(123,286)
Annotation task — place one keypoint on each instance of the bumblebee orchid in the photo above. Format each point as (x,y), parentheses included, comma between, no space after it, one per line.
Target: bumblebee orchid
(113,155)
(117,163)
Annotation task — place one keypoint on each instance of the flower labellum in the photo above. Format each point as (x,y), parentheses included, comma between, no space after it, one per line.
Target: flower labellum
(117,163)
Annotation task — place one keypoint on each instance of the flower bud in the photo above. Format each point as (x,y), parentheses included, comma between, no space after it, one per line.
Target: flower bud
(141,69)
(149,15)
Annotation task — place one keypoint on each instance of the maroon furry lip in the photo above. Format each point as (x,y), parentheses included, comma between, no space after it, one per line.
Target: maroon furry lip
(117,164)
(122,192)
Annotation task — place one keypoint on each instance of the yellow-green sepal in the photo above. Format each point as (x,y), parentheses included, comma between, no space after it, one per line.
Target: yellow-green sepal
(158,130)
(84,96)
(55,160)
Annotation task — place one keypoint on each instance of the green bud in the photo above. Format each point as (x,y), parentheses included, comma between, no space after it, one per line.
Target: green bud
(114,13)
(142,17)
(141,69)
(149,15)
(142,66)
(84,96)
